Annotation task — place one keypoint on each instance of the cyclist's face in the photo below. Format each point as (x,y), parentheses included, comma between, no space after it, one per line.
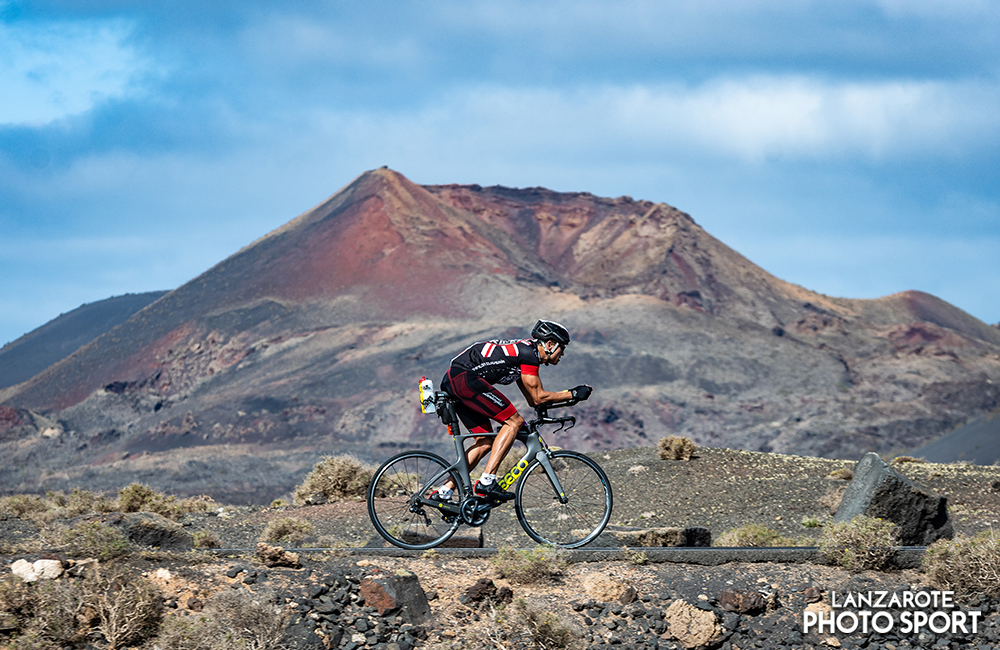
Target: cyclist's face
(555,353)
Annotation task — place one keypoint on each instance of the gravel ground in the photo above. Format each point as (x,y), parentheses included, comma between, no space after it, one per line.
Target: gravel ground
(718,489)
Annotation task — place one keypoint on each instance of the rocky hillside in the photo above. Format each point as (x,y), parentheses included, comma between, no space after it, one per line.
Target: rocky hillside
(311,340)
(29,355)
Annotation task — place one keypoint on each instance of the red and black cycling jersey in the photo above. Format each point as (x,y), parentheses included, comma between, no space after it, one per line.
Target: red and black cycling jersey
(499,361)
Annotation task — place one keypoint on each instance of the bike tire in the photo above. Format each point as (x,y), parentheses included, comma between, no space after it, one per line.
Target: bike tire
(584,515)
(391,501)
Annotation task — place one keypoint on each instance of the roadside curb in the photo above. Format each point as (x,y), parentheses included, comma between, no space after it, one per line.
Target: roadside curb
(906,557)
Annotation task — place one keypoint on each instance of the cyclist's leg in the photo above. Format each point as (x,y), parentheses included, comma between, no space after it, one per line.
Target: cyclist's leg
(479,402)
(504,441)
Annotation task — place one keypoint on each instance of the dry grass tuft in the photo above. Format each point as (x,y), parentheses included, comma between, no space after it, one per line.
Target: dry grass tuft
(540,565)
(676,448)
(287,530)
(842,474)
(862,543)
(751,536)
(901,460)
(205,539)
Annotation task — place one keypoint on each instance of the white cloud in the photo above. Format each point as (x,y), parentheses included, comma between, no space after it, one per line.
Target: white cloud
(50,71)
(747,119)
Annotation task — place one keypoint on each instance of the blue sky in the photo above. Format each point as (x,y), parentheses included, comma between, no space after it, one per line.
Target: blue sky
(849,147)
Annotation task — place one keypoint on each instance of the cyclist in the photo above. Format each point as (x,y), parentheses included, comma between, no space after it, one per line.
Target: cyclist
(470,380)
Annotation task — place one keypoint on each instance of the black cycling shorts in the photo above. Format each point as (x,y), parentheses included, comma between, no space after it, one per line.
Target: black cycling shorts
(478,401)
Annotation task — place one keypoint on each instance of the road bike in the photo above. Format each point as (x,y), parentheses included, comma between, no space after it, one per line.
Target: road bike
(562,498)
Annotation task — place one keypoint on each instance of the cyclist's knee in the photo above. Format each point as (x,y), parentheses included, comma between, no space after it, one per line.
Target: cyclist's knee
(515,421)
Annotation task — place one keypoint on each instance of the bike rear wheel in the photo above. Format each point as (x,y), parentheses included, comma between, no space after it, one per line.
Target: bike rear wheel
(587,508)
(393,504)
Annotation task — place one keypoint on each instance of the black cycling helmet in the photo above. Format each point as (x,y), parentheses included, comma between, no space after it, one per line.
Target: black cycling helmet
(547,330)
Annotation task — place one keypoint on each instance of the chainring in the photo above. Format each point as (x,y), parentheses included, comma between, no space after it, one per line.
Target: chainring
(474,512)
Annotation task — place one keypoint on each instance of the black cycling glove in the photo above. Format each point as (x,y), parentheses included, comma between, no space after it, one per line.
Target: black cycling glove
(581,392)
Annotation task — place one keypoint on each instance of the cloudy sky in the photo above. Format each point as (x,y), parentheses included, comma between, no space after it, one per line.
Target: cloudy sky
(850,147)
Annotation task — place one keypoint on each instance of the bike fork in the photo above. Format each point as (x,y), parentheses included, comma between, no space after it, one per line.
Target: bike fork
(543,460)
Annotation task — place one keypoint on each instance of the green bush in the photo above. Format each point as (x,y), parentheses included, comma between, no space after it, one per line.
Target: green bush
(676,448)
(861,543)
(93,539)
(336,478)
(750,536)
(965,565)
(532,566)
(287,530)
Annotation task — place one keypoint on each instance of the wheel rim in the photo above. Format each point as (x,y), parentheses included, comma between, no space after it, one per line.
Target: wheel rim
(390,507)
(570,524)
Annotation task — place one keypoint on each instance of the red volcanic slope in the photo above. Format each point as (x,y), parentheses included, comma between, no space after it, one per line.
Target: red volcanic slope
(385,249)
(381,239)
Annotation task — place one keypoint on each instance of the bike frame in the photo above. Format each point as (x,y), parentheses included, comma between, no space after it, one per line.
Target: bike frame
(536,450)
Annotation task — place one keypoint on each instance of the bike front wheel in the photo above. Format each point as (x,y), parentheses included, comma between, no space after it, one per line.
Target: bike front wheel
(577,518)
(394,506)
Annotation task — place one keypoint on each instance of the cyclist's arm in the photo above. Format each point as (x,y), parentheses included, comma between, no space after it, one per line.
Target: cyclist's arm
(531,388)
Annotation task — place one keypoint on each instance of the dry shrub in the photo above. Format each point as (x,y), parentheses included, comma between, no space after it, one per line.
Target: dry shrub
(831,500)
(128,608)
(336,478)
(230,620)
(861,543)
(17,602)
(287,530)
(133,498)
(205,539)
(23,506)
(901,460)
(31,640)
(92,539)
(842,474)
(522,625)
(532,566)
(676,448)
(59,608)
(965,565)
(751,536)
(55,505)
(137,497)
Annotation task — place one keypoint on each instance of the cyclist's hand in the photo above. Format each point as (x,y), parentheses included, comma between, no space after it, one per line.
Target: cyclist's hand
(581,392)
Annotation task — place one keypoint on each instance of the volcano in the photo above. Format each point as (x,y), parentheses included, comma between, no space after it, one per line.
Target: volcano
(311,340)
